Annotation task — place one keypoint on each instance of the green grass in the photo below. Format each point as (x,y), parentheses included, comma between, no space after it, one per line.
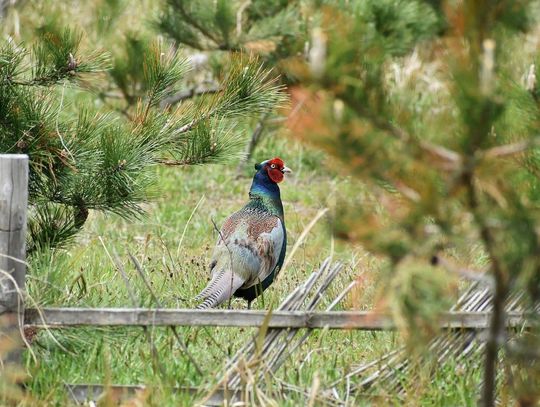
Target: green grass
(85,276)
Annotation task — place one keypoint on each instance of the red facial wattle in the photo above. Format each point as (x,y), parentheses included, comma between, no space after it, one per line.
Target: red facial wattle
(274,168)
(275,175)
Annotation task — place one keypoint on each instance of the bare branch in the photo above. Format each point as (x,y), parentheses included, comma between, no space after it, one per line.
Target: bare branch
(511,149)
(398,133)
(473,275)
(239,13)
(441,152)
(254,140)
(192,92)
(500,291)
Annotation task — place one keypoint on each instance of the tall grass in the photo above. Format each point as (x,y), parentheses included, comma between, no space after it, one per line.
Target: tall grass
(173,243)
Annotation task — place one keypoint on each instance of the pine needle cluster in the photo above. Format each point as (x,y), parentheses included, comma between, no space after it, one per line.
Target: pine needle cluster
(265,26)
(274,30)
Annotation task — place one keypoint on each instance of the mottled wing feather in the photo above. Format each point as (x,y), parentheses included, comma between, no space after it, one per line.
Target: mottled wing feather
(253,241)
(269,243)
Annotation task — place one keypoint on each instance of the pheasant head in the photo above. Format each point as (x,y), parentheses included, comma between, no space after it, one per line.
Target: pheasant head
(274,169)
(265,184)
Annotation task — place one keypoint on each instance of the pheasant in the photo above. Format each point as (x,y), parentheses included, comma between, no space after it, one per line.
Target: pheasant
(252,242)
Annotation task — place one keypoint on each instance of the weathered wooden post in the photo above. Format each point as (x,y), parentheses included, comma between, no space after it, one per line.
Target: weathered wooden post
(13,207)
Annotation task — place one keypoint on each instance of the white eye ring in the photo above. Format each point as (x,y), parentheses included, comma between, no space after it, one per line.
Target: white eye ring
(272,165)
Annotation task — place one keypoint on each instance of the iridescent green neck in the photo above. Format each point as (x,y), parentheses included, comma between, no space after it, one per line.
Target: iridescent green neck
(266,203)
(265,194)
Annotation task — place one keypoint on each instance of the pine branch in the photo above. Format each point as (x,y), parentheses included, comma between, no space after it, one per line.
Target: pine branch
(194,91)
(246,91)
(208,141)
(215,26)
(52,226)
(54,60)
(101,162)
(161,72)
(175,163)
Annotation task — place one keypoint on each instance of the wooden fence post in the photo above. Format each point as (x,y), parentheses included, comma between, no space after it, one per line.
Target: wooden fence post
(13,207)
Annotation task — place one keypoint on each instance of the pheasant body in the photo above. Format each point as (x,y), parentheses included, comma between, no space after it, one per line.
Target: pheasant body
(252,242)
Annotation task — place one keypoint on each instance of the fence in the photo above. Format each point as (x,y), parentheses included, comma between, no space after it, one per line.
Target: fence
(13,214)
(361,320)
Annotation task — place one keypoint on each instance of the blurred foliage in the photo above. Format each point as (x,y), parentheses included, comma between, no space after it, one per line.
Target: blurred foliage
(12,376)
(272,28)
(419,293)
(443,126)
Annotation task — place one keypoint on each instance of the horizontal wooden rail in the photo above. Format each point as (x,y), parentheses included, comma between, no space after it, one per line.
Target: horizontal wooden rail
(73,317)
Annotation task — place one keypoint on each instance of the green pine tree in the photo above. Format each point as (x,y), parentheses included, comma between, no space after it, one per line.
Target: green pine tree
(273,30)
(94,160)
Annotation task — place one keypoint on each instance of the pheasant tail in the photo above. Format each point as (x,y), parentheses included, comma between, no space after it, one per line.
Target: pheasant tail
(219,289)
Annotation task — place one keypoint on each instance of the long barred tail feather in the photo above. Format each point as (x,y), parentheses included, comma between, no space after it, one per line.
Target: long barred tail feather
(209,287)
(219,289)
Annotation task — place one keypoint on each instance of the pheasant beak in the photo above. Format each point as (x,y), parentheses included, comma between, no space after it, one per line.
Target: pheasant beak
(286,170)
